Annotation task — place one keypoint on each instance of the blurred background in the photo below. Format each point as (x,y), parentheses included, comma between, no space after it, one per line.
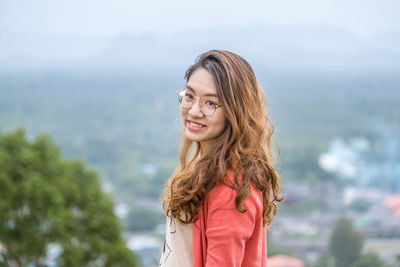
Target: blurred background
(99,78)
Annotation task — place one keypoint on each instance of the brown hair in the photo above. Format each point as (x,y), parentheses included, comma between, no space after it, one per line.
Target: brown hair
(244,146)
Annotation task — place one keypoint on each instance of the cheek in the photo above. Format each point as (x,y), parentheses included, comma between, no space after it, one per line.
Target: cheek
(184,112)
(221,123)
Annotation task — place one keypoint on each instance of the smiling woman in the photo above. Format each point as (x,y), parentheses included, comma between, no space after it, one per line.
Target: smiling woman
(203,120)
(220,199)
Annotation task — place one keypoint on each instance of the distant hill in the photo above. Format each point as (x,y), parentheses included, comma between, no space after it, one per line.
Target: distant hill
(128,126)
(278,48)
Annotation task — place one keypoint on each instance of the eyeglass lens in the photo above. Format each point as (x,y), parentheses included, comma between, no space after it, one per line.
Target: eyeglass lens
(206,105)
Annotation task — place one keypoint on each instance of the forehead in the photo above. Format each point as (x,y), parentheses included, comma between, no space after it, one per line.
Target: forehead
(202,83)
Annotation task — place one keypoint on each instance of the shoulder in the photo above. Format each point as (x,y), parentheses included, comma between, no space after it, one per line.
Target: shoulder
(223,196)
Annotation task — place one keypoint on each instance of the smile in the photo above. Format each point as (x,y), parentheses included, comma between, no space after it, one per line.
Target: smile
(194,125)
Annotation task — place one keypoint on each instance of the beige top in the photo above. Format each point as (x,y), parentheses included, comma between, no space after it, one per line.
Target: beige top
(178,245)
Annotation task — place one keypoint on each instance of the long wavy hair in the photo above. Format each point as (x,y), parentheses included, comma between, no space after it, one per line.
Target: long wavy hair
(245,146)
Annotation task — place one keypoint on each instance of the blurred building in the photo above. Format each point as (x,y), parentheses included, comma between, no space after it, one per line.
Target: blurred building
(393,202)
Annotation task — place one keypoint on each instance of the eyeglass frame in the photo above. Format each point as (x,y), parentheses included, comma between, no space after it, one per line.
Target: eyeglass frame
(194,99)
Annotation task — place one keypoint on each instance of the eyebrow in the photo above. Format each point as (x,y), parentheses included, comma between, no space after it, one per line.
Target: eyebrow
(190,88)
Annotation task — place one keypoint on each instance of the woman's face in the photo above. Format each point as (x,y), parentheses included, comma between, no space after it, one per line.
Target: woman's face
(198,127)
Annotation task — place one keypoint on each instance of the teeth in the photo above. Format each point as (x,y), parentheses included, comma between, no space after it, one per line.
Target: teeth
(195,124)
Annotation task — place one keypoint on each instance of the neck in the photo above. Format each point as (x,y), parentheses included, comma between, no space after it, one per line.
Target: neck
(205,147)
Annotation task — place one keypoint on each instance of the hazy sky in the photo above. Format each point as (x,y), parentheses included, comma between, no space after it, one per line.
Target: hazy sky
(317,33)
(104,17)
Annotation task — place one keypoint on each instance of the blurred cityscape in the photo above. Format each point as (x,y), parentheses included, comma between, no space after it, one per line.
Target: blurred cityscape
(307,216)
(102,86)
(338,138)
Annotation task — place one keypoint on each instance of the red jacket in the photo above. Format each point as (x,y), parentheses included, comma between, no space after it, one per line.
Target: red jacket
(225,237)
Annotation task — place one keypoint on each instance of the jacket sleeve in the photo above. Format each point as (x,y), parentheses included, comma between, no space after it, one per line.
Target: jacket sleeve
(227,228)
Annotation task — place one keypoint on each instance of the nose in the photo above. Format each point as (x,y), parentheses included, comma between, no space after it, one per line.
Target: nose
(195,110)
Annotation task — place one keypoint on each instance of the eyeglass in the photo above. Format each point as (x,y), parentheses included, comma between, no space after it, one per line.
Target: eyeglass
(207,106)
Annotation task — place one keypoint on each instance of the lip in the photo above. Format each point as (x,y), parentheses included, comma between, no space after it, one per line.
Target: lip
(194,128)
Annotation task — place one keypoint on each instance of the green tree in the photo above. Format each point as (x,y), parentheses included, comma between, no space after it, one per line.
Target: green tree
(272,248)
(345,243)
(368,260)
(143,219)
(324,261)
(47,201)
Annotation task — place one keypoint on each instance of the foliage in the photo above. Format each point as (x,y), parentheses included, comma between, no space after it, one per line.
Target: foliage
(143,219)
(47,201)
(324,261)
(272,248)
(300,207)
(368,260)
(345,243)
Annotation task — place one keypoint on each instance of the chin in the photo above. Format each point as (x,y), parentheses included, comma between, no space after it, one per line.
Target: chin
(192,138)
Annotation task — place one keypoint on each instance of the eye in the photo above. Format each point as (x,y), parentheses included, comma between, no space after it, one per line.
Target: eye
(211,103)
(188,96)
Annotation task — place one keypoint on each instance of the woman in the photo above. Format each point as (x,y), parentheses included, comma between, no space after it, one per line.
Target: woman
(223,194)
